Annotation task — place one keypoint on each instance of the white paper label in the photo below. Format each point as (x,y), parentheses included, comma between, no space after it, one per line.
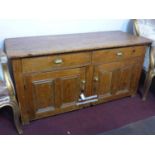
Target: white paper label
(3,60)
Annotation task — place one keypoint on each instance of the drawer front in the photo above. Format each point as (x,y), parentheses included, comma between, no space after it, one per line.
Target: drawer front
(110,55)
(46,63)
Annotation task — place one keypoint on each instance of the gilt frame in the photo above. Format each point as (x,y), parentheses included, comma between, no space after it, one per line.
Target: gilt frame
(10,100)
(150,73)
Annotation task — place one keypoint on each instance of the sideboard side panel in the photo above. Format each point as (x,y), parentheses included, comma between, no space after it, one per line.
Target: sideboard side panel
(19,85)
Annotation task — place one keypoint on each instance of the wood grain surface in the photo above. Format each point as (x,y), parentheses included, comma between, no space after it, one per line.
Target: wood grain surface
(51,72)
(47,45)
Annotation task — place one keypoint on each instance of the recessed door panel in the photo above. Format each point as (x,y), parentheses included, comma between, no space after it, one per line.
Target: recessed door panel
(116,78)
(53,91)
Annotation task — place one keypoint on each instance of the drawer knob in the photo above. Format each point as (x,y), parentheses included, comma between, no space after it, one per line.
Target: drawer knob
(96,78)
(83,81)
(119,53)
(58,61)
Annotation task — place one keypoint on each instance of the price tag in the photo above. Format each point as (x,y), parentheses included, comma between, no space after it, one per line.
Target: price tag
(3,60)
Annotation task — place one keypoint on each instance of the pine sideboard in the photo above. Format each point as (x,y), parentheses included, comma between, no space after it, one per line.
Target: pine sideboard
(61,73)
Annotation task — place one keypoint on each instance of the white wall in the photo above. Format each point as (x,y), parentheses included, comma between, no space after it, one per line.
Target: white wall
(19,28)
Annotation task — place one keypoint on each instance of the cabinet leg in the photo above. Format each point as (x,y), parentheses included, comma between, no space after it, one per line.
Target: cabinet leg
(133,95)
(25,121)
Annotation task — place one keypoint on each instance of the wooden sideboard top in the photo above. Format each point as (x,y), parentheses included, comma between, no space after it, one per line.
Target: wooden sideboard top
(47,45)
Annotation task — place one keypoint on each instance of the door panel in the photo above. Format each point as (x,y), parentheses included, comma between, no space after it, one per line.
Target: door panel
(70,89)
(125,78)
(116,78)
(53,91)
(105,81)
(43,95)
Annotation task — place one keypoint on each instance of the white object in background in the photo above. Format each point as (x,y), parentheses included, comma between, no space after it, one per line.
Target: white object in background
(1,73)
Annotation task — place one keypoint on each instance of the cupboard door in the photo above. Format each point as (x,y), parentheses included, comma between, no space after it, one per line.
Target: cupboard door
(52,92)
(117,78)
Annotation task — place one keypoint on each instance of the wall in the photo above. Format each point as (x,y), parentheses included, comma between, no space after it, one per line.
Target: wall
(20,28)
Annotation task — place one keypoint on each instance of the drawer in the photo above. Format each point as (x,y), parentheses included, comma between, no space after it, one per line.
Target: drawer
(46,63)
(117,54)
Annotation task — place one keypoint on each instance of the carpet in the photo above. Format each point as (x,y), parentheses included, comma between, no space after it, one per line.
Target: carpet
(143,127)
(89,121)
